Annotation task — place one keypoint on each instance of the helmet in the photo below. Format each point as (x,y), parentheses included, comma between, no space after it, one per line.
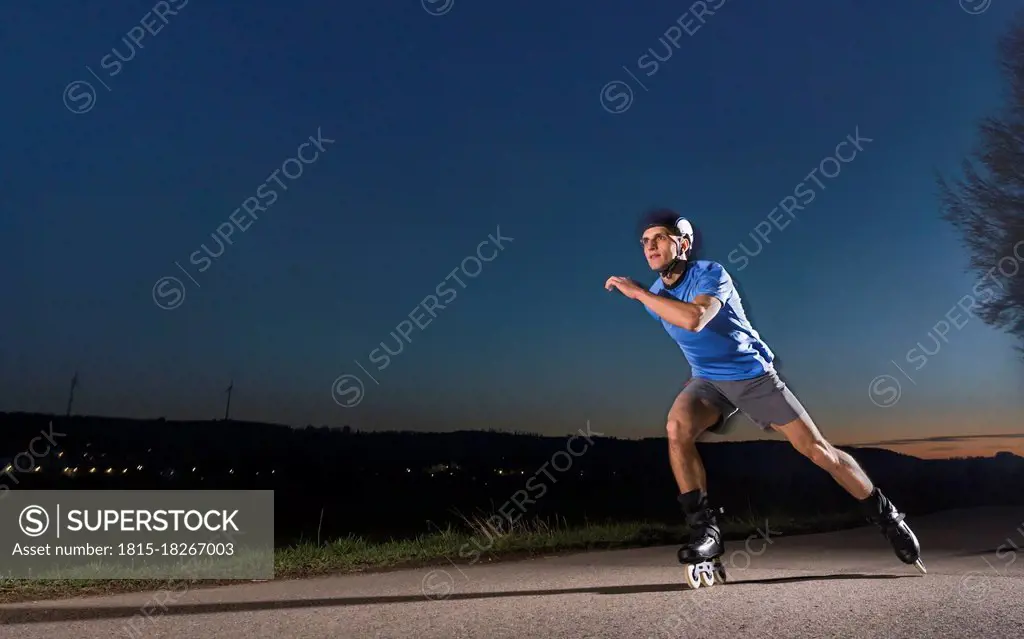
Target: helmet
(676,224)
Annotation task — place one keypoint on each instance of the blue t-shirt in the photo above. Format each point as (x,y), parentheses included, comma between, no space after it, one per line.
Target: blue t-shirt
(728,348)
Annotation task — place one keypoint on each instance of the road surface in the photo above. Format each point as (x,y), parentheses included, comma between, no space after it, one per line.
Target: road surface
(843,584)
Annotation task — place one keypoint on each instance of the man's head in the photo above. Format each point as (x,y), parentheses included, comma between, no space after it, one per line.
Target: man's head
(666,238)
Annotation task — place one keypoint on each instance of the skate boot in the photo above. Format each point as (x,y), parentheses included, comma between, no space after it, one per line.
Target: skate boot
(701,554)
(881,512)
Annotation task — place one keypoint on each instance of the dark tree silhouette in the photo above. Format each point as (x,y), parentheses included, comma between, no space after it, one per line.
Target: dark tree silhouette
(987,205)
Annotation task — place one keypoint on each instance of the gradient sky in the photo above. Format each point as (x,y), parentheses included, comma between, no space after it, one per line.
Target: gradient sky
(448,127)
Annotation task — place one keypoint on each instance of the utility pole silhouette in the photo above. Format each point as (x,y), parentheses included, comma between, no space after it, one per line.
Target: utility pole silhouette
(227,409)
(71,393)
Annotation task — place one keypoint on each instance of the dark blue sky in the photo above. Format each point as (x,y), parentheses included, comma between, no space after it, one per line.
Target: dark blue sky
(446,128)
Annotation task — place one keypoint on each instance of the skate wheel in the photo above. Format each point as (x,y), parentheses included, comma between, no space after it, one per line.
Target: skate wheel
(720,572)
(707,578)
(693,578)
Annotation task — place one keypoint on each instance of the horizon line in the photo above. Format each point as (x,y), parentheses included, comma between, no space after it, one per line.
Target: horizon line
(877,443)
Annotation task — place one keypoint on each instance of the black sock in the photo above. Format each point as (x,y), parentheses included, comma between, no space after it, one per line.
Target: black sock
(871,498)
(692,501)
(875,504)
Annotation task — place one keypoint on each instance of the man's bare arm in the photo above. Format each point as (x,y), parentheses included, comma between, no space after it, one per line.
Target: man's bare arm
(692,316)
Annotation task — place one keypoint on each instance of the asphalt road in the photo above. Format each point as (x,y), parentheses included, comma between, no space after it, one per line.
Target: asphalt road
(845,584)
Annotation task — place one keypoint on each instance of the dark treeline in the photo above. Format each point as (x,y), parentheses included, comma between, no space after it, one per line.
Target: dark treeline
(335,482)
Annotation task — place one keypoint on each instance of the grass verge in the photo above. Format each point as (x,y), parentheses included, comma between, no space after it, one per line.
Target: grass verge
(476,542)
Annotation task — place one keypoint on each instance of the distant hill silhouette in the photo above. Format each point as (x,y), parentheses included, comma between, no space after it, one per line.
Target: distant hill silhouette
(393,483)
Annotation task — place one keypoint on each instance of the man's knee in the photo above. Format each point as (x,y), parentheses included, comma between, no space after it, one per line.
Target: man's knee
(682,427)
(690,416)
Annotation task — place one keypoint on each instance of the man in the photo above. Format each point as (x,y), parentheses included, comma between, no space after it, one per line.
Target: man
(732,371)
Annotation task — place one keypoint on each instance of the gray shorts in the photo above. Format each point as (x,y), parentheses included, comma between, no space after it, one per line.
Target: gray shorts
(764,399)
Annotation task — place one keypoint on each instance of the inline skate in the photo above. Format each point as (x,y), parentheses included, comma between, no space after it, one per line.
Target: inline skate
(701,555)
(881,512)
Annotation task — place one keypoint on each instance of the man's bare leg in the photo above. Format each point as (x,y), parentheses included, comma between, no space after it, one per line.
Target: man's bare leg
(806,438)
(687,419)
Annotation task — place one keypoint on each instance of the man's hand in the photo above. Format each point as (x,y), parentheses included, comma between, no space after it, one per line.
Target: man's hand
(626,286)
